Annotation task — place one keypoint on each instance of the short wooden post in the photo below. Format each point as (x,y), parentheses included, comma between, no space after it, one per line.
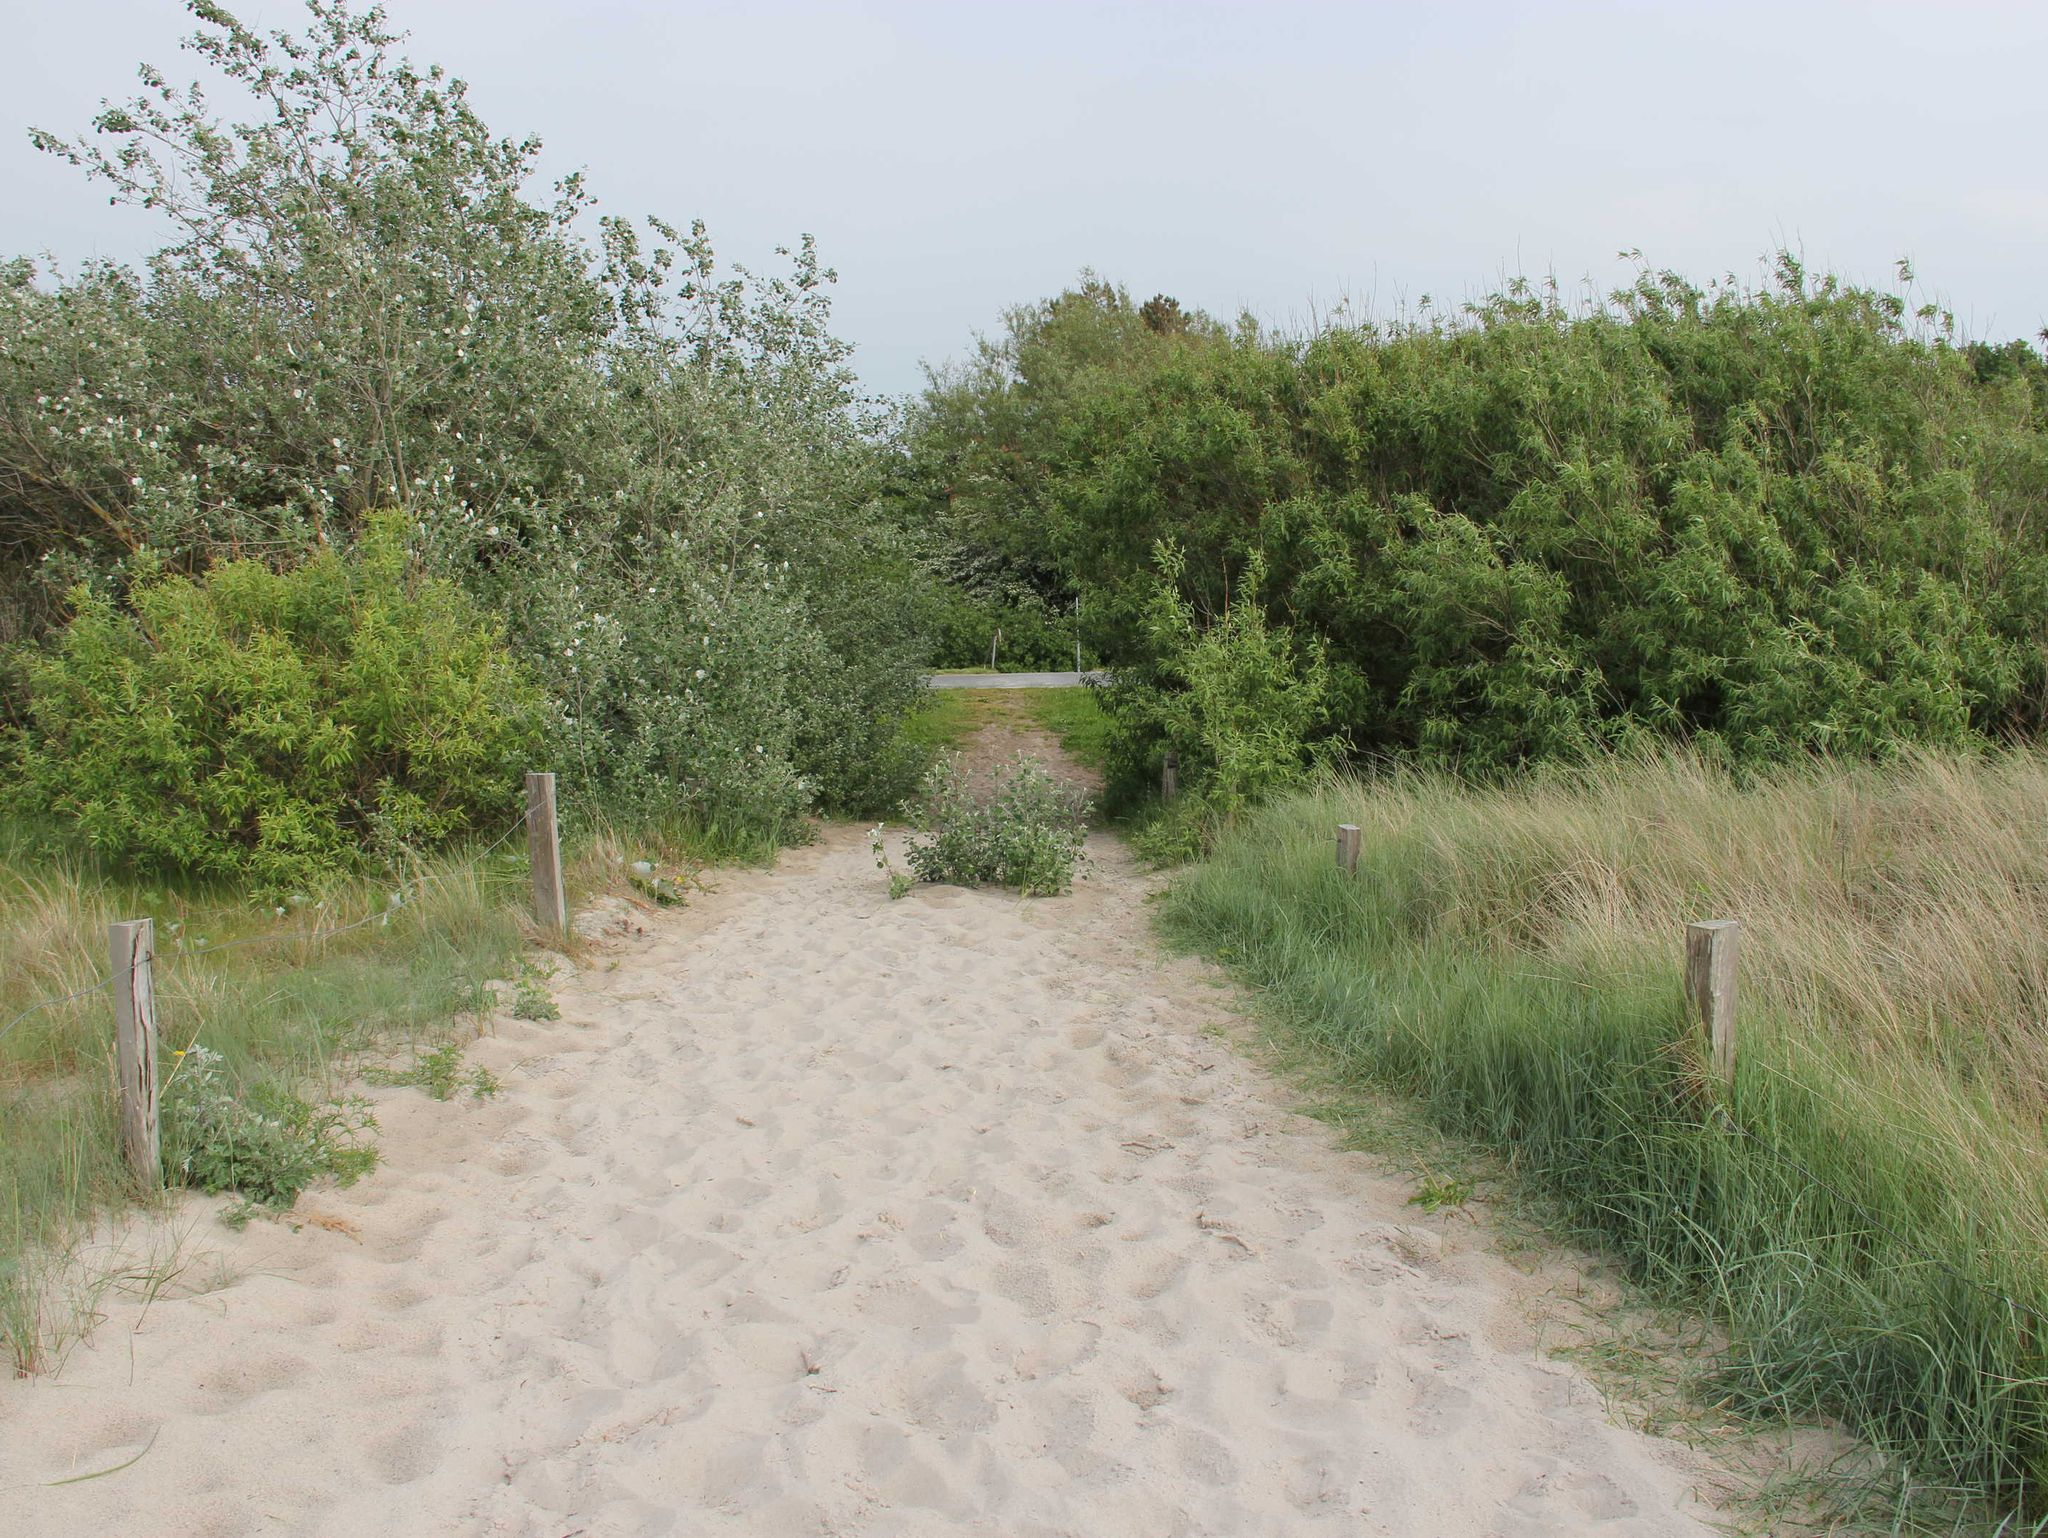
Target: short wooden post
(131,946)
(1710,986)
(1347,848)
(1169,776)
(544,851)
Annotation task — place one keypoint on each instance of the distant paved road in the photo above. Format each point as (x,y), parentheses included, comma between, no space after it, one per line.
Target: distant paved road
(1014,680)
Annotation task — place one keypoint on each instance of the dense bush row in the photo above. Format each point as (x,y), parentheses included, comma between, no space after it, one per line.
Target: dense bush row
(653,477)
(1768,520)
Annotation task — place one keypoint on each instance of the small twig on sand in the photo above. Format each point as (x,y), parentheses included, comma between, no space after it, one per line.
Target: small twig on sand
(79,1479)
(1209,1225)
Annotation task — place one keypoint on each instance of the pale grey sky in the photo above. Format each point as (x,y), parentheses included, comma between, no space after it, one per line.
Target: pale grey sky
(955,159)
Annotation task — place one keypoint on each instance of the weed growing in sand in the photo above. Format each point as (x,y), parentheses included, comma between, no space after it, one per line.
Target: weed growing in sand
(899,883)
(41,1316)
(264,1143)
(1028,834)
(667,887)
(440,1073)
(1441,1191)
(530,997)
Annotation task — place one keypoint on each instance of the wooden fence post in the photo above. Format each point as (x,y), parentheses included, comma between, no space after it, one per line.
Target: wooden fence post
(1347,848)
(1169,776)
(1710,986)
(131,946)
(544,851)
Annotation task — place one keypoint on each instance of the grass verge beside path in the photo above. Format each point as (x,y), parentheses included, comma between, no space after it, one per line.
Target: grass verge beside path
(944,719)
(1075,717)
(286,1013)
(1865,1211)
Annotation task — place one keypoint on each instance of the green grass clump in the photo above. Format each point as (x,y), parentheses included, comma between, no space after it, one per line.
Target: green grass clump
(1075,716)
(945,718)
(1865,1210)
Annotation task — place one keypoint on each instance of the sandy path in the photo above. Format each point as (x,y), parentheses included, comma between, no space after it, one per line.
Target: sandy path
(821,1214)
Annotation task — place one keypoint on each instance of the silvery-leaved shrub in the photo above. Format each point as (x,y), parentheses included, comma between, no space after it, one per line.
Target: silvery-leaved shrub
(260,1141)
(657,469)
(1028,832)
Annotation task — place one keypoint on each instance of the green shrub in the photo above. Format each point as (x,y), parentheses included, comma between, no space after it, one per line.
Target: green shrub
(660,471)
(278,727)
(1783,518)
(266,1143)
(1019,629)
(1028,834)
(1241,702)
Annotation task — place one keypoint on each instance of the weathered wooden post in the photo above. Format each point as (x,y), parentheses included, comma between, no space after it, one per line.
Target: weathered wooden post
(1347,848)
(1710,986)
(1169,776)
(131,947)
(544,850)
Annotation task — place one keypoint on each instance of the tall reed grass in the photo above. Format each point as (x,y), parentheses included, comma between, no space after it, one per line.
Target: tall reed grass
(1865,1209)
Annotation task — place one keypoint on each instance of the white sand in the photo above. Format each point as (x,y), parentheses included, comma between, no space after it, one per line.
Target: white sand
(821,1214)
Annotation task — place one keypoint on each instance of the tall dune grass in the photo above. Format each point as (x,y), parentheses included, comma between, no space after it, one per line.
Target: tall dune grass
(275,998)
(1865,1209)
(262,989)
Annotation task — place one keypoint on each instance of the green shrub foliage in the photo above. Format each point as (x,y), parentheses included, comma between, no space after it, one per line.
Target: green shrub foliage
(1022,631)
(1768,519)
(276,726)
(1241,702)
(1027,833)
(261,1141)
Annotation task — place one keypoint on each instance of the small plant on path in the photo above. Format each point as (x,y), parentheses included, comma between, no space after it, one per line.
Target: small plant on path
(1028,834)
(530,997)
(1442,1191)
(440,1073)
(899,883)
(265,1143)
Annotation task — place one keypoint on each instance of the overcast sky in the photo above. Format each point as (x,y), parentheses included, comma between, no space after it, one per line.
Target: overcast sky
(955,159)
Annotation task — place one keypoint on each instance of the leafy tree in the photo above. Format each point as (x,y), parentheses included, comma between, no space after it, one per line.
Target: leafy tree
(1163,315)
(658,469)
(983,444)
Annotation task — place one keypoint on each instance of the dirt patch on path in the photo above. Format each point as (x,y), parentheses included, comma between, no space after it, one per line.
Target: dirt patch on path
(1007,728)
